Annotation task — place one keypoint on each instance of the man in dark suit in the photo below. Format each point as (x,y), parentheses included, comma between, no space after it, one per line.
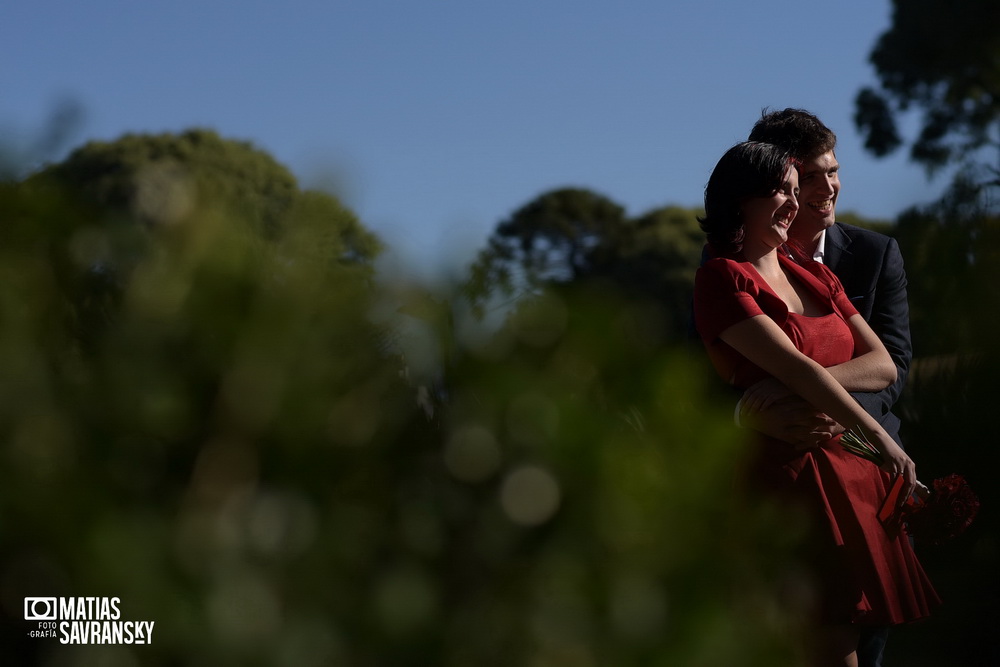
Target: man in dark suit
(870,267)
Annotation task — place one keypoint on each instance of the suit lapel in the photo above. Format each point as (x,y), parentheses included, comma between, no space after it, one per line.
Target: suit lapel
(843,262)
(837,251)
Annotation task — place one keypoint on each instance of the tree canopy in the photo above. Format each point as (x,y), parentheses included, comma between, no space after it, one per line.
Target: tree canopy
(121,203)
(560,236)
(942,58)
(164,179)
(577,237)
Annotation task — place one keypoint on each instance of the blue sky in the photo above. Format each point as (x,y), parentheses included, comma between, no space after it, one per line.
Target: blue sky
(435,120)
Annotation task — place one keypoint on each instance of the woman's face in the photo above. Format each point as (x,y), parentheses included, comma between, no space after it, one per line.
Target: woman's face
(766,219)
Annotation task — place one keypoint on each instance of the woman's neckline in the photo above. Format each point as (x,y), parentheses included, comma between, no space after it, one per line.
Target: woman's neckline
(792,274)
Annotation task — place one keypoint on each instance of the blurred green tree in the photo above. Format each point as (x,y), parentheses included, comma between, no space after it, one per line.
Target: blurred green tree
(574,236)
(124,199)
(874,224)
(560,236)
(159,179)
(239,455)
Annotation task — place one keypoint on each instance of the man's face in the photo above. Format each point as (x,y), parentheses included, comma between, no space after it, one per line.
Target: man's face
(819,186)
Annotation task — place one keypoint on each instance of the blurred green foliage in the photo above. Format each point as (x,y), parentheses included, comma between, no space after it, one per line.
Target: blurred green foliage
(213,408)
(209,410)
(950,248)
(577,236)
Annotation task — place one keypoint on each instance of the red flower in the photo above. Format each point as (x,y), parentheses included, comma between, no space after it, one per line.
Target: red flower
(945,513)
(932,516)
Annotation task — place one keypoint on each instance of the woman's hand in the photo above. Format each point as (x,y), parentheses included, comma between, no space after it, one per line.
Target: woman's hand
(762,395)
(896,462)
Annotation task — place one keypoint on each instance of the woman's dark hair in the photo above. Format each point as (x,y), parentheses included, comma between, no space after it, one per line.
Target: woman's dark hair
(748,169)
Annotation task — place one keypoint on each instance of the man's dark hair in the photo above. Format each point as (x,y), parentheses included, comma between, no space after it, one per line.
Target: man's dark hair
(796,130)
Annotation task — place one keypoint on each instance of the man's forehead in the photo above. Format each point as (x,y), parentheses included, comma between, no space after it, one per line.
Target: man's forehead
(822,162)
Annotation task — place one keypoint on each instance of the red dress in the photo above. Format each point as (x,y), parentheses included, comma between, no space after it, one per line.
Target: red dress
(870,576)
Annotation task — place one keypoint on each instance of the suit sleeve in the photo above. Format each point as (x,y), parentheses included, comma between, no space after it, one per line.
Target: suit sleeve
(890,320)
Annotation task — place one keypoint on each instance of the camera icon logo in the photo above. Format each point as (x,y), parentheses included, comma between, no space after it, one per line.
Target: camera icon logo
(40,609)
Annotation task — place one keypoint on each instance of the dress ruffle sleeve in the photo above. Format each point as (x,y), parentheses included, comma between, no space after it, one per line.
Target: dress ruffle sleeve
(724,295)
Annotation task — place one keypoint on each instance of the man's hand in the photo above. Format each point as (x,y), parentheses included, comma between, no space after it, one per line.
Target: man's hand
(770,408)
(762,395)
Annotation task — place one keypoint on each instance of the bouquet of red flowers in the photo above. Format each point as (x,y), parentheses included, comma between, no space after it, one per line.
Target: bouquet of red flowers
(947,511)
(930,515)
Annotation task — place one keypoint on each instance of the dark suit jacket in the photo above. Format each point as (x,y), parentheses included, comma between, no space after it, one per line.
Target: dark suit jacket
(870,266)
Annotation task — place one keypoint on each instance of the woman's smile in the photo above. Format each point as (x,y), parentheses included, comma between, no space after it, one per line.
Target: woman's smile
(767,219)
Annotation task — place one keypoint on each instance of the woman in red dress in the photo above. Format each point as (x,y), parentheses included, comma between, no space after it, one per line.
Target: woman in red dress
(764,314)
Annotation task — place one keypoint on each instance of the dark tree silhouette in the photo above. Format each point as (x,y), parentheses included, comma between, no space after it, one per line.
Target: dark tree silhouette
(943,59)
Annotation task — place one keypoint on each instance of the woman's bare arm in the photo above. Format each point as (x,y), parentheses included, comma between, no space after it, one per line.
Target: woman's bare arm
(761,341)
(872,368)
